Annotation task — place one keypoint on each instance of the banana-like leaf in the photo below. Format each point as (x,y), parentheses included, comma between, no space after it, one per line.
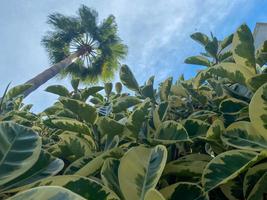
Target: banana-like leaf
(140,169)
(258,110)
(137,118)
(67,124)
(243,48)
(188,168)
(198,60)
(171,132)
(165,88)
(195,127)
(243,135)
(153,194)
(83,110)
(257,81)
(109,175)
(45,166)
(95,165)
(47,192)
(200,38)
(188,191)
(255,182)
(124,103)
(85,187)
(227,166)
(19,150)
(110,127)
(236,73)
(128,79)
(59,90)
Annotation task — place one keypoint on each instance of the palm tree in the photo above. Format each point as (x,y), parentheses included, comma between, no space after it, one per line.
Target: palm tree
(80,47)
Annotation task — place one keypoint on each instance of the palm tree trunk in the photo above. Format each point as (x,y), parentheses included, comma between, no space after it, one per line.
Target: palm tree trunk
(49,73)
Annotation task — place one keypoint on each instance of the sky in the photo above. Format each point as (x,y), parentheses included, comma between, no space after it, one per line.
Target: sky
(157,34)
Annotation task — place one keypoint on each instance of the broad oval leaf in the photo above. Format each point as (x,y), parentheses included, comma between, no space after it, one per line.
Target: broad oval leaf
(58,89)
(243,48)
(171,132)
(19,150)
(47,192)
(140,170)
(124,103)
(108,126)
(258,109)
(255,180)
(195,127)
(232,105)
(128,79)
(188,191)
(188,168)
(153,194)
(83,110)
(228,165)
(16,91)
(165,88)
(243,135)
(197,60)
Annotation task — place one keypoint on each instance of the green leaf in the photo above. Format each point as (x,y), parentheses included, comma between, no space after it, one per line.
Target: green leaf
(109,175)
(159,113)
(233,189)
(68,125)
(95,165)
(19,150)
(90,91)
(212,47)
(16,91)
(108,88)
(45,166)
(136,119)
(243,48)
(128,79)
(153,194)
(146,166)
(118,87)
(83,110)
(227,41)
(214,136)
(87,188)
(110,127)
(47,192)
(232,105)
(257,81)
(78,164)
(243,135)
(72,147)
(234,72)
(227,166)
(58,89)
(198,60)
(171,132)
(124,103)
(258,109)
(188,191)
(164,89)
(261,54)
(255,182)
(188,168)
(195,127)
(200,38)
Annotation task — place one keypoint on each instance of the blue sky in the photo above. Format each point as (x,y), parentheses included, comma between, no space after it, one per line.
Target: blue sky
(156,32)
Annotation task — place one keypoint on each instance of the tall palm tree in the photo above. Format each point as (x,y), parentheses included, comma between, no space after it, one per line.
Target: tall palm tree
(81,47)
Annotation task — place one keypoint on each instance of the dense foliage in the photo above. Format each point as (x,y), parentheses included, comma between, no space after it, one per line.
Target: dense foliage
(198,139)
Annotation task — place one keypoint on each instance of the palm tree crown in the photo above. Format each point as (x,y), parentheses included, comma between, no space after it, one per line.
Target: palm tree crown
(99,48)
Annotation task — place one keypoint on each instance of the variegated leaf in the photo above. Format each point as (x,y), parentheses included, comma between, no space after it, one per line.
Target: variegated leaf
(140,170)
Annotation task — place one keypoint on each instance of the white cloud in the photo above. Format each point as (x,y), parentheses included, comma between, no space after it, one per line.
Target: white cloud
(157,33)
